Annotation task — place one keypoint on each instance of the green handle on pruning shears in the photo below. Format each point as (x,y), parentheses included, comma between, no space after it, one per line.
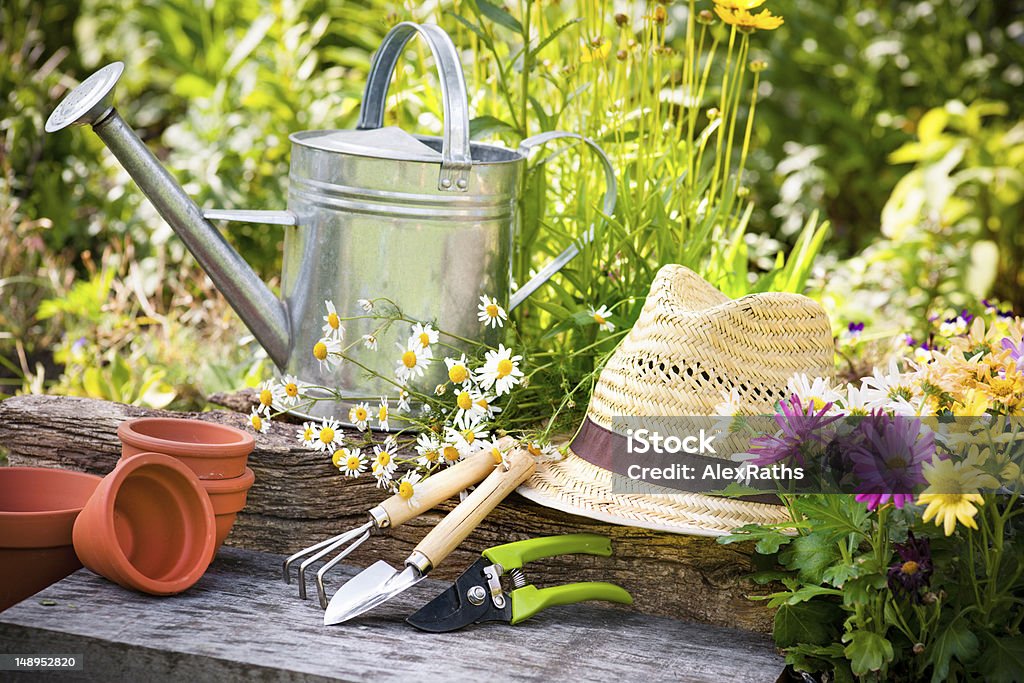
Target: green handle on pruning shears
(515,555)
(529,600)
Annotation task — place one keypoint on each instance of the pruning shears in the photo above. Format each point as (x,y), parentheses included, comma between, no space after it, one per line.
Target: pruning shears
(477,596)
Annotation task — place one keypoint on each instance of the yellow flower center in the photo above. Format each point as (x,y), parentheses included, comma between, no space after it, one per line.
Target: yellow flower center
(307,434)
(266,397)
(405,490)
(360,415)
(483,403)
(465,401)
(257,422)
(353,462)
(496,454)
(533,449)
(409,359)
(492,310)
(817,403)
(599,319)
(1001,387)
(431,455)
(451,453)
(320,351)
(909,568)
(332,320)
(327,435)
(383,458)
(458,374)
(469,436)
(291,389)
(504,367)
(424,339)
(382,414)
(336,458)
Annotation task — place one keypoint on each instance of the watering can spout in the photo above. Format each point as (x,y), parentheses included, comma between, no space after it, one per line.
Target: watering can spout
(264,314)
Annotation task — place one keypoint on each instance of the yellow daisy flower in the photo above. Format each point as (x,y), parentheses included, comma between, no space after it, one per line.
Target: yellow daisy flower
(739,4)
(747,22)
(952,494)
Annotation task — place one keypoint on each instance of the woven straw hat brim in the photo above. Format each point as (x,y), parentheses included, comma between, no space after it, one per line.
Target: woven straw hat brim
(578,487)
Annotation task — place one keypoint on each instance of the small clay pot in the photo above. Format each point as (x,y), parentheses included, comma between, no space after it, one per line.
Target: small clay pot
(228,499)
(148,527)
(38,507)
(211,450)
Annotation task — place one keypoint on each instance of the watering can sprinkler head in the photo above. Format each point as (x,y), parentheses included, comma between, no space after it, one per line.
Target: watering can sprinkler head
(90,102)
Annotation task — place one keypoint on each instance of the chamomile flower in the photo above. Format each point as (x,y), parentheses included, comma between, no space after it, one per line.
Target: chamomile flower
(288,392)
(384,458)
(382,476)
(259,422)
(265,393)
(307,435)
(365,304)
(382,413)
(423,334)
(332,323)
(370,342)
(351,462)
(413,361)
(467,411)
(467,440)
(407,487)
(458,370)
(429,449)
(491,447)
(601,317)
(485,404)
(500,370)
(545,453)
(359,415)
(327,351)
(817,392)
(403,401)
(490,313)
(450,453)
(327,435)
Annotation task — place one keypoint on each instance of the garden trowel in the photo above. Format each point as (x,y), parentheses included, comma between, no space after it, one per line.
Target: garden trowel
(380,581)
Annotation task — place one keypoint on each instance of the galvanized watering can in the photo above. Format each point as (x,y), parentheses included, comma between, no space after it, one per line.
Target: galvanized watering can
(428,222)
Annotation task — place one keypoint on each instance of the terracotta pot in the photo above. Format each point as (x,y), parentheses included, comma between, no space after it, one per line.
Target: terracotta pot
(228,498)
(38,507)
(211,450)
(149,526)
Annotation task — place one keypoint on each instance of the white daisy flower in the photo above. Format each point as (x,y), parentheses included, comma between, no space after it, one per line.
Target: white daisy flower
(817,392)
(491,446)
(365,304)
(259,422)
(458,370)
(265,392)
(332,323)
(450,453)
(370,342)
(855,401)
(423,334)
(350,461)
(467,411)
(384,462)
(403,401)
(500,370)
(467,440)
(407,487)
(730,405)
(382,413)
(491,313)
(327,435)
(327,351)
(413,362)
(883,388)
(288,392)
(545,453)
(601,317)
(429,449)
(359,415)
(308,434)
(382,476)
(485,403)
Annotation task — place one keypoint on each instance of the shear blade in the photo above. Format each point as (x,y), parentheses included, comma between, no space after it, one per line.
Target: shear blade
(452,609)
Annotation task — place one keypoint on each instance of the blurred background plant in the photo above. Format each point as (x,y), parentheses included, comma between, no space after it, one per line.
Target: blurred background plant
(844,100)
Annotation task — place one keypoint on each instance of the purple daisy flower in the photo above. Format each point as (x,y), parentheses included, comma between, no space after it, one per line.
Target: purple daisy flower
(800,427)
(914,568)
(888,460)
(1016,350)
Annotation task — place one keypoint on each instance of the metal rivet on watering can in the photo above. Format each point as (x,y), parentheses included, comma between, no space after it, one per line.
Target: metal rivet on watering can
(372,212)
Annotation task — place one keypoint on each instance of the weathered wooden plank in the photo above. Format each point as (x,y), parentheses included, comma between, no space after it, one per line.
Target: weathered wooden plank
(298,499)
(241,622)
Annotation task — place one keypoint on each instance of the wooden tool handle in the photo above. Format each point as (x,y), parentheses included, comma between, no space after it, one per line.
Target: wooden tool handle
(438,487)
(454,528)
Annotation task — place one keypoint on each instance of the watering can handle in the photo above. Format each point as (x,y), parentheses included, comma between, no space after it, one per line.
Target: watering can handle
(607,208)
(456,161)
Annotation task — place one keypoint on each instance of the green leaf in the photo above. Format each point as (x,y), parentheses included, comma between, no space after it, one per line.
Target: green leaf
(807,622)
(554,34)
(1003,660)
(836,515)
(484,126)
(811,555)
(867,652)
(860,590)
(956,640)
(839,574)
(499,16)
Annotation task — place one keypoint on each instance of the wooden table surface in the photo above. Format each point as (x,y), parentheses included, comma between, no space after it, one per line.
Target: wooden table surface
(241,622)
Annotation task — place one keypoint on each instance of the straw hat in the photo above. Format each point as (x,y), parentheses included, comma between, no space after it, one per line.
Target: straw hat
(690,345)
